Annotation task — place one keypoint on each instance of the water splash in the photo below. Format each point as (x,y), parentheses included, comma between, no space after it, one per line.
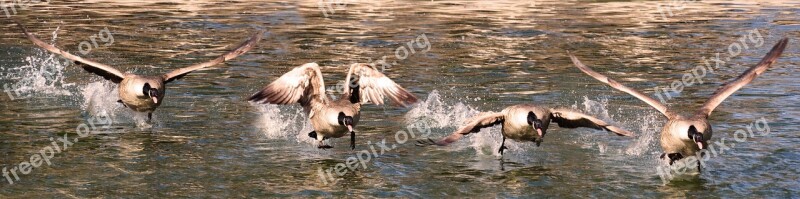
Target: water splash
(649,129)
(642,124)
(597,108)
(438,114)
(96,98)
(444,118)
(283,122)
(41,76)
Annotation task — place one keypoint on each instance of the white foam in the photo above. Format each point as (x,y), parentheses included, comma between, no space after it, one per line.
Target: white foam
(283,122)
(42,76)
(444,118)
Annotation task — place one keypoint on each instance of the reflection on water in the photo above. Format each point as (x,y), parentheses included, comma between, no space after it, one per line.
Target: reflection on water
(484,55)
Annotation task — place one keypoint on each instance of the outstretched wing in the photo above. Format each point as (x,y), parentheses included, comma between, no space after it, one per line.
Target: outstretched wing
(746,77)
(302,85)
(482,120)
(372,86)
(243,48)
(106,71)
(652,102)
(572,119)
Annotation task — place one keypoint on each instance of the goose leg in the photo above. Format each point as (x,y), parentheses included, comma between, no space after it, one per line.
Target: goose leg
(313,134)
(321,145)
(149,117)
(352,140)
(673,157)
(699,166)
(123,104)
(503,145)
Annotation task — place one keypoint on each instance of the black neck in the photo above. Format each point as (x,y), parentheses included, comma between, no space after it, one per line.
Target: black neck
(355,95)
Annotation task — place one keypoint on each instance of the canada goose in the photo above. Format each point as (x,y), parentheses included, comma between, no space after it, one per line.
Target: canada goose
(519,122)
(683,136)
(333,118)
(141,93)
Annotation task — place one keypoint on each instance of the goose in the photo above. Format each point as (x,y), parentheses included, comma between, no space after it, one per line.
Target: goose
(333,118)
(137,92)
(525,122)
(683,136)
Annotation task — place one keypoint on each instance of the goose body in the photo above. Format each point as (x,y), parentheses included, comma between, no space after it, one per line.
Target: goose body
(133,95)
(526,123)
(333,118)
(684,136)
(141,93)
(515,122)
(676,140)
(325,119)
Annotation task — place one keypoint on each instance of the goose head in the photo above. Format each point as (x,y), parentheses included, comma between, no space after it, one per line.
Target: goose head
(151,92)
(536,123)
(694,131)
(346,120)
(697,137)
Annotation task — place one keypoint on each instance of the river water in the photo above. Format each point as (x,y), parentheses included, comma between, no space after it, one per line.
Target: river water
(458,57)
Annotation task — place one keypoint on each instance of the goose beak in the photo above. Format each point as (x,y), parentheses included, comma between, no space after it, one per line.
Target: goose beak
(698,138)
(539,131)
(154,95)
(541,137)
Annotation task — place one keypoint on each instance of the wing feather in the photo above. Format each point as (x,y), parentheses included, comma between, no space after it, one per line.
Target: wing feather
(243,48)
(729,88)
(573,119)
(105,71)
(475,124)
(303,84)
(614,84)
(374,86)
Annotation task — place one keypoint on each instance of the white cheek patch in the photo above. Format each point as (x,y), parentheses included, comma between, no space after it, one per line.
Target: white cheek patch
(138,89)
(333,118)
(520,119)
(682,131)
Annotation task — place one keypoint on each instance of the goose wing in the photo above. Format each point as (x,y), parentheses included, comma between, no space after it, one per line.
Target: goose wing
(243,48)
(105,71)
(475,124)
(614,84)
(304,85)
(369,85)
(573,119)
(746,77)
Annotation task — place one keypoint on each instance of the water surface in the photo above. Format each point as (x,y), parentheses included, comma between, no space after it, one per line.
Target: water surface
(207,140)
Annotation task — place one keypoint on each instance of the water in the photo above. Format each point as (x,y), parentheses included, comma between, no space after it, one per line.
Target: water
(206,140)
